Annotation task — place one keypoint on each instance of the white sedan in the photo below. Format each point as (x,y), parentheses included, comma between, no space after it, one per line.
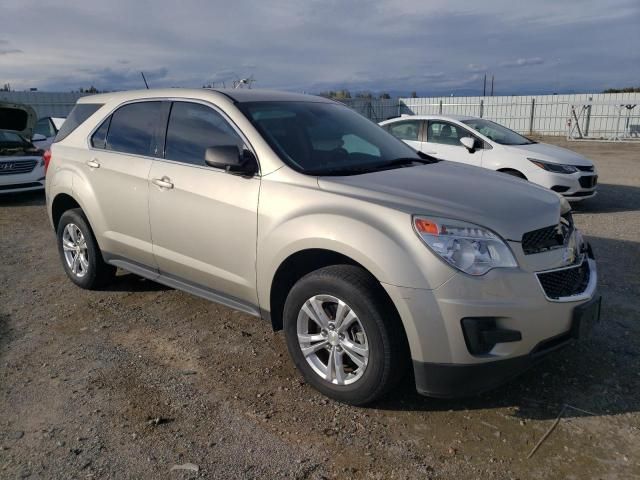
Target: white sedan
(483,143)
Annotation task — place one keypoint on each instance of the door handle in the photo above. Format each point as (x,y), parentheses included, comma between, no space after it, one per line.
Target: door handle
(164,182)
(93,163)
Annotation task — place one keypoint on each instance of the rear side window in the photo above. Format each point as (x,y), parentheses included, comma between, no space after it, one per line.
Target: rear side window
(192,129)
(405,130)
(134,128)
(99,137)
(79,114)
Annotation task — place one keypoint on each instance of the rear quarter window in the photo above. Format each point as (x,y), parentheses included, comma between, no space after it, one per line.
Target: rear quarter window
(135,127)
(78,115)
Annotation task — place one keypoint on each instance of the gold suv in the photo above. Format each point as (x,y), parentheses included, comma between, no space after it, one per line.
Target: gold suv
(375,259)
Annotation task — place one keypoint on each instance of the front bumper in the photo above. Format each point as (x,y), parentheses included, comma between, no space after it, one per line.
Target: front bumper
(574,187)
(513,299)
(454,381)
(24,182)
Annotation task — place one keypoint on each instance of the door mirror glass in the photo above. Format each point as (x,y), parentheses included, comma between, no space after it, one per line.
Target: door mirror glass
(231,159)
(469,143)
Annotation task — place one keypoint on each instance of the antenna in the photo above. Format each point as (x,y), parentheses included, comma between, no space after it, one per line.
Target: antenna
(145,80)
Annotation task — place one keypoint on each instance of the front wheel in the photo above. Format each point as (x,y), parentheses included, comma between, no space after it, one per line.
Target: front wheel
(345,339)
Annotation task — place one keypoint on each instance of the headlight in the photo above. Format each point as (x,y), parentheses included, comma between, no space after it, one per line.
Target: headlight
(553,167)
(468,247)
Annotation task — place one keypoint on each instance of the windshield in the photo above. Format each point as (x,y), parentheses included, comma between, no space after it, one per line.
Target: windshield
(497,133)
(326,138)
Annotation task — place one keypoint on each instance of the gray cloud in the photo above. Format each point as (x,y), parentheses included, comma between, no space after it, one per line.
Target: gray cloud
(7,51)
(523,62)
(390,45)
(474,67)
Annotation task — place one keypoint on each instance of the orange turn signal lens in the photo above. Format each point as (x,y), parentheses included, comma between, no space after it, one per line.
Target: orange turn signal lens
(425,226)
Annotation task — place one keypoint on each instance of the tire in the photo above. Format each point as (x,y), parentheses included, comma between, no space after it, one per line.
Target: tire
(376,331)
(84,266)
(514,173)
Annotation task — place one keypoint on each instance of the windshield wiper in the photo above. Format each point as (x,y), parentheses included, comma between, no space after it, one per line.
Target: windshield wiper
(399,162)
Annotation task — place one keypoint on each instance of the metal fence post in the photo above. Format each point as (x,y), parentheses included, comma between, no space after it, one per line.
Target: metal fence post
(440,108)
(533,108)
(588,119)
(481,108)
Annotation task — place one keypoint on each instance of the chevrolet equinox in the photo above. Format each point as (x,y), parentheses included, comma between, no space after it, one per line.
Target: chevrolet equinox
(374,259)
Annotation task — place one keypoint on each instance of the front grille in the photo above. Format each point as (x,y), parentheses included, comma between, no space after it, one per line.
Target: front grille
(584,169)
(566,282)
(579,194)
(21,185)
(588,181)
(17,167)
(547,238)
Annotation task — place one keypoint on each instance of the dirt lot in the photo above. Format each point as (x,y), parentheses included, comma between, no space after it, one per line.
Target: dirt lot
(128,382)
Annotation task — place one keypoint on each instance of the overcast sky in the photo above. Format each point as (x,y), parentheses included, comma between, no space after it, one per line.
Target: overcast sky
(541,46)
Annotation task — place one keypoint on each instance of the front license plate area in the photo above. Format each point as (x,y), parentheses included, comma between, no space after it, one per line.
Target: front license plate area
(585,317)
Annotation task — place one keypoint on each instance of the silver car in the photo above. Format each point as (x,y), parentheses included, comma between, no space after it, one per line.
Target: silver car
(374,259)
(21,162)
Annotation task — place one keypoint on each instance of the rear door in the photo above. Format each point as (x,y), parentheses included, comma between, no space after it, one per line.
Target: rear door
(117,170)
(203,220)
(406,130)
(442,140)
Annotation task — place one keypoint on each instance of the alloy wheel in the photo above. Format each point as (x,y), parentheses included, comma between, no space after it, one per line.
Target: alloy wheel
(332,339)
(75,251)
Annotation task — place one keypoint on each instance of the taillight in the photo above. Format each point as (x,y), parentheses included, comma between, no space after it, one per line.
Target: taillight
(46,156)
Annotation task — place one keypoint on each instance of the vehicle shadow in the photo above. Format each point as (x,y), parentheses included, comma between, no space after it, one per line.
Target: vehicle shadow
(129,282)
(610,199)
(598,375)
(22,199)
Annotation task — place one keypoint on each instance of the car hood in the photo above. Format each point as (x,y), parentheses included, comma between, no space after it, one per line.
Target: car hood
(552,154)
(509,206)
(18,118)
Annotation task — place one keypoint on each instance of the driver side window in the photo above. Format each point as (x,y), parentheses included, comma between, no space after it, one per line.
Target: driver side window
(192,129)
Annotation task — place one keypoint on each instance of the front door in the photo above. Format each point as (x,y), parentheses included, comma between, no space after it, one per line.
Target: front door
(443,141)
(203,220)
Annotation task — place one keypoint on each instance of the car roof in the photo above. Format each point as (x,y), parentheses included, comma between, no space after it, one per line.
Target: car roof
(239,95)
(434,116)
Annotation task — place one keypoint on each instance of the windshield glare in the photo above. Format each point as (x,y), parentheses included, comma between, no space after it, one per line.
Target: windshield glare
(325,138)
(496,132)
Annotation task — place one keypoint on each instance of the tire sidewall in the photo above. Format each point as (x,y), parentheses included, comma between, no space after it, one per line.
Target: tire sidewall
(78,219)
(371,319)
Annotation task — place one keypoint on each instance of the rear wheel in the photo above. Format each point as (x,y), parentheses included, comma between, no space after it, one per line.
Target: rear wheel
(343,336)
(80,254)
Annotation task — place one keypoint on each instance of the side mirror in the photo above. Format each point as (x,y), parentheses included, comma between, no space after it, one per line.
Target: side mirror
(38,137)
(469,143)
(231,159)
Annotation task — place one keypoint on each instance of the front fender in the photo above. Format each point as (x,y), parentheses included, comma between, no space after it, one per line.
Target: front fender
(392,257)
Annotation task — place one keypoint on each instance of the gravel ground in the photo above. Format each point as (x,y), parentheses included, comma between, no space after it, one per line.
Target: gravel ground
(130,381)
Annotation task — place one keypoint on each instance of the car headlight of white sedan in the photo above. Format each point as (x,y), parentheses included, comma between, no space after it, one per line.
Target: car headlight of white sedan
(553,167)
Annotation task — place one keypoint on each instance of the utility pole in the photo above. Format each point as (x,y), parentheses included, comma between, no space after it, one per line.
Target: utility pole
(484,86)
(492,85)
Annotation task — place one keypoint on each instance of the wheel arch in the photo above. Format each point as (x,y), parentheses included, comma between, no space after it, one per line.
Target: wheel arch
(60,204)
(299,264)
(513,171)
